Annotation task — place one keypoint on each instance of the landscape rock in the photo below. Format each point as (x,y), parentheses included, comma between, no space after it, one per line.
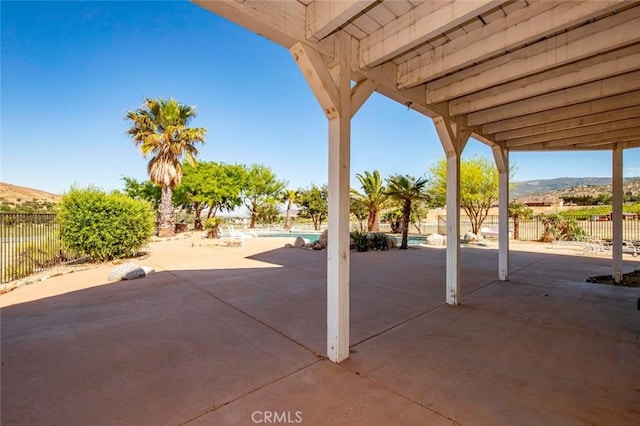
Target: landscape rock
(300,242)
(470,236)
(392,243)
(288,245)
(435,240)
(148,270)
(324,239)
(126,271)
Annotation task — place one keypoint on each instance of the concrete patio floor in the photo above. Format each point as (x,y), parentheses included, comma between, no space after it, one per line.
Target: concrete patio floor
(227,336)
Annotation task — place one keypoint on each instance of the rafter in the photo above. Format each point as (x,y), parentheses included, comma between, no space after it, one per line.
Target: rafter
(578,131)
(607,145)
(570,123)
(596,106)
(325,17)
(583,93)
(539,19)
(600,36)
(620,135)
(419,25)
(585,71)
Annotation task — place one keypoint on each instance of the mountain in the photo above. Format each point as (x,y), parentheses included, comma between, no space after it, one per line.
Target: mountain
(569,185)
(18,194)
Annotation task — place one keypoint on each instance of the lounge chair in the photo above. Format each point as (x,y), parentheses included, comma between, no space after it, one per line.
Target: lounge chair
(233,238)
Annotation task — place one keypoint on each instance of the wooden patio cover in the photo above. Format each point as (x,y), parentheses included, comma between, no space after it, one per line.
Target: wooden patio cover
(520,75)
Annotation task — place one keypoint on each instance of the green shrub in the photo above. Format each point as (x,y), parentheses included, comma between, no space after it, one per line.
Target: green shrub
(360,241)
(104,226)
(378,241)
(374,241)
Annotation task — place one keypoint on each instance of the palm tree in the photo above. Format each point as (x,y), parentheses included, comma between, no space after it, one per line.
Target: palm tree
(288,196)
(159,128)
(373,197)
(407,189)
(518,211)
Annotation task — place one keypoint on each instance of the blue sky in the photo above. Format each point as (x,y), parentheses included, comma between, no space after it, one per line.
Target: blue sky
(71,70)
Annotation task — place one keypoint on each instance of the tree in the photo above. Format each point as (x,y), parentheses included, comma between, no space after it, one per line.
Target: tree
(160,129)
(518,211)
(262,187)
(145,191)
(289,197)
(373,197)
(419,213)
(210,185)
(314,204)
(359,212)
(406,189)
(478,187)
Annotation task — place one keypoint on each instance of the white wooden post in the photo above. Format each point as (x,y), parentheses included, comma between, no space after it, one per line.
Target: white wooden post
(453,140)
(501,157)
(617,214)
(339,102)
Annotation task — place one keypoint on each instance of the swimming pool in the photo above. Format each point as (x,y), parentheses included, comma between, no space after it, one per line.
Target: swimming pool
(307,235)
(414,240)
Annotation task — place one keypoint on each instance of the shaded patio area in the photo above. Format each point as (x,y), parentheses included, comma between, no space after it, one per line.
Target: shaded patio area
(240,345)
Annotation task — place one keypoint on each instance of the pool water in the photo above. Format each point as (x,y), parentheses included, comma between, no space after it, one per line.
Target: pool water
(309,236)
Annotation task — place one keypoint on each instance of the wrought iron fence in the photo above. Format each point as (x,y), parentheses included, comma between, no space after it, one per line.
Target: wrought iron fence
(532,229)
(29,243)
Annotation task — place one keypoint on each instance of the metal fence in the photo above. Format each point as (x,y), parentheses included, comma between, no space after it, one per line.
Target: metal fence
(532,229)
(29,243)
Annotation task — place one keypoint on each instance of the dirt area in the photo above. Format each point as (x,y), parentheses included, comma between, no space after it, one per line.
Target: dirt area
(632,279)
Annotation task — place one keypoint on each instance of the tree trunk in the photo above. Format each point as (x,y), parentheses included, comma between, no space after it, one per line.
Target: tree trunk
(372,224)
(165,209)
(287,218)
(254,219)
(406,217)
(197,223)
(516,227)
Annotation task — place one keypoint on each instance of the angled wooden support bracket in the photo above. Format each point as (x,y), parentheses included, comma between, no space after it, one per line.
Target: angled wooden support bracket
(453,136)
(318,77)
(323,83)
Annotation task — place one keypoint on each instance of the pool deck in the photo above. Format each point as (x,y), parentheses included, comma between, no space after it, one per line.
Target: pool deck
(236,335)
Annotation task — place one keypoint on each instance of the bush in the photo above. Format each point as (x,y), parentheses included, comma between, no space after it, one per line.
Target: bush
(374,241)
(378,241)
(104,226)
(360,241)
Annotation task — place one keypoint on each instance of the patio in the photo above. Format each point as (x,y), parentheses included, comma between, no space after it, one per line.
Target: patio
(238,336)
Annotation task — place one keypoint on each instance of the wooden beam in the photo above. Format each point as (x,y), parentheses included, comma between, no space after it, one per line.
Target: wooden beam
(616,214)
(600,36)
(280,21)
(603,128)
(325,17)
(620,135)
(338,252)
(604,146)
(501,157)
(592,69)
(583,93)
(454,138)
(420,24)
(360,93)
(570,123)
(524,26)
(587,108)
(317,74)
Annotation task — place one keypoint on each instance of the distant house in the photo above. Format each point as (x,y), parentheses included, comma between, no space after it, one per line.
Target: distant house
(542,202)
